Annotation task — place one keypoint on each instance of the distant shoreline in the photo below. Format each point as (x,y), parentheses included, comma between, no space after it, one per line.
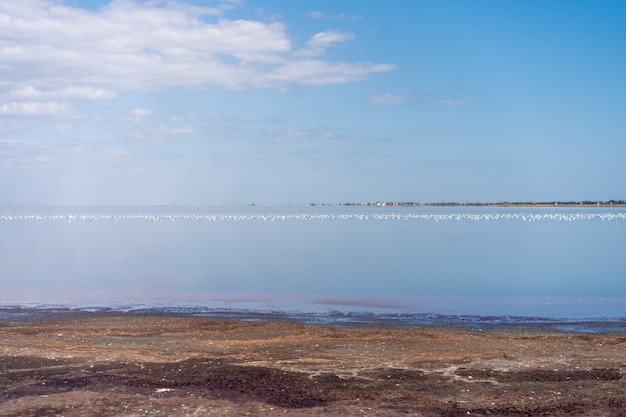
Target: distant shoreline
(586,203)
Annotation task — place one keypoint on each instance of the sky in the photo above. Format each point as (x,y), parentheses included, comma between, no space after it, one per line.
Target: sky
(228,102)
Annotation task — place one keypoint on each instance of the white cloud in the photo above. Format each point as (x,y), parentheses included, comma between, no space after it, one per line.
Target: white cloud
(51,52)
(138,114)
(177,118)
(321,41)
(182,130)
(317,72)
(316,14)
(33,108)
(82,93)
(390,98)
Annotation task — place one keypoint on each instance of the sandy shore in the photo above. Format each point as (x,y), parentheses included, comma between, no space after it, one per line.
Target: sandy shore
(132,365)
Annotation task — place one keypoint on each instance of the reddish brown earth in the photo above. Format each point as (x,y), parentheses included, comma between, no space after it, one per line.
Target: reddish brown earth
(131,365)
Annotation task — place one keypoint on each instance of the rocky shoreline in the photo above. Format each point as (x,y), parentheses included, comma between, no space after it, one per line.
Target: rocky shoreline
(124,364)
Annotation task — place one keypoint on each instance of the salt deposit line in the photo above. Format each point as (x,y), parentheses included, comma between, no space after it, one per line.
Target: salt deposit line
(315,217)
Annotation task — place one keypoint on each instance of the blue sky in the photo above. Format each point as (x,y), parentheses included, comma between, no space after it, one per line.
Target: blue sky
(237,102)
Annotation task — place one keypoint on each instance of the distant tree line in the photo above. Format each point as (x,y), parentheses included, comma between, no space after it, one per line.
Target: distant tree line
(478,204)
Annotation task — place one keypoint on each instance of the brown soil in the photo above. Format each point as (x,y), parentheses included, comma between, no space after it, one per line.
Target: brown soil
(132,365)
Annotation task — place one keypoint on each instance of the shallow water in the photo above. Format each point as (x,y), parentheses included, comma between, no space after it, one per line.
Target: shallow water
(402,262)
(591,315)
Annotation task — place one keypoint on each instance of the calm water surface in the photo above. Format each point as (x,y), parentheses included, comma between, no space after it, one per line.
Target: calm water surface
(558,262)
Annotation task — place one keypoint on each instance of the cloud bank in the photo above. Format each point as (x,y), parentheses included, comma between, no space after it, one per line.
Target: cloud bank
(51,52)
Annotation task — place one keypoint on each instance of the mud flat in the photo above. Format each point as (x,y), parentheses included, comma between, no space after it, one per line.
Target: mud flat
(136,365)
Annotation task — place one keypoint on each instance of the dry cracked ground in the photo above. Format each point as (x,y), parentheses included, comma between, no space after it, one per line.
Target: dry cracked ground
(137,365)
